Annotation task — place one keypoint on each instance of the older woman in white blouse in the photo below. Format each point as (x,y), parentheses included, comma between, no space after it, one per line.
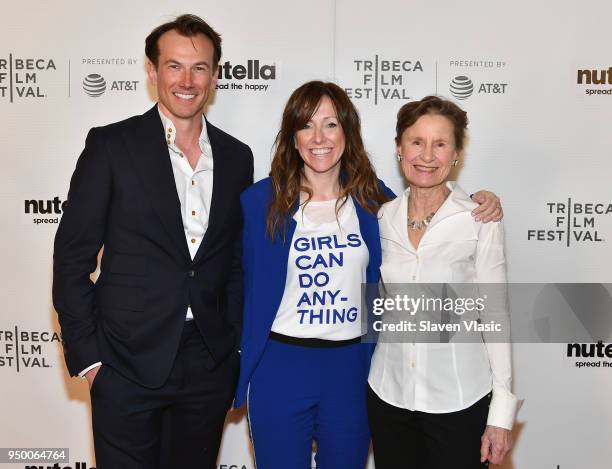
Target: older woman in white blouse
(438,405)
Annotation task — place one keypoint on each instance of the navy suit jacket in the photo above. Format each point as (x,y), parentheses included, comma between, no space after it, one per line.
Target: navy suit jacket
(265,272)
(123,198)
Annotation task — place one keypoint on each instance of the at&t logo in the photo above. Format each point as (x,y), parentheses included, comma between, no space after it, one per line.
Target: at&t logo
(462,87)
(94,85)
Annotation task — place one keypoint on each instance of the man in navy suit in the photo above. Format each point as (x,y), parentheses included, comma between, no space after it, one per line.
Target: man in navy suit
(156,335)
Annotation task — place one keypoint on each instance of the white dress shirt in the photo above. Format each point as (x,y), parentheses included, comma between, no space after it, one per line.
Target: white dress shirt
(194,188)
(447,377)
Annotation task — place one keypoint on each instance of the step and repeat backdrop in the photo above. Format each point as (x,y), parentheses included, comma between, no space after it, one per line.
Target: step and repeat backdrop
(534,76)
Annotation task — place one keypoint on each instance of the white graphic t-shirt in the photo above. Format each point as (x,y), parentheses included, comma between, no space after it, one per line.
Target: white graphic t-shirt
(326,267)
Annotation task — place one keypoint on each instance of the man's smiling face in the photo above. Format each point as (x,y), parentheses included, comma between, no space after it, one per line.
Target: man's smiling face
(184,75)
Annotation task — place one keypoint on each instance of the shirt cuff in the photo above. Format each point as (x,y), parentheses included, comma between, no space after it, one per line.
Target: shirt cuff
(90,367)
(502,409)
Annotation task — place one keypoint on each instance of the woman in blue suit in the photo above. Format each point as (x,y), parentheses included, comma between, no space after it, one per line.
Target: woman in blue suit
(310,240)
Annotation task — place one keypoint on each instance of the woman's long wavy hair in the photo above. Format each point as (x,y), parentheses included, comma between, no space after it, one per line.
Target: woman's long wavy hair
(357,176)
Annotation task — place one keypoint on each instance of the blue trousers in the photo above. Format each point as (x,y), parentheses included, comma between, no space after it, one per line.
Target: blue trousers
(299,394)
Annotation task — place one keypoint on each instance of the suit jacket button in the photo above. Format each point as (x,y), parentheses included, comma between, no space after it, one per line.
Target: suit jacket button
(191,273)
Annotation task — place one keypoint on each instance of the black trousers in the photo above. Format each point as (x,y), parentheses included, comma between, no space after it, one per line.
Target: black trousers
(403,438)
(174,426)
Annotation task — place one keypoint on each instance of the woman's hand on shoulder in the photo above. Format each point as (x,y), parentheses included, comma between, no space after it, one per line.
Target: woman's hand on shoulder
(489,208)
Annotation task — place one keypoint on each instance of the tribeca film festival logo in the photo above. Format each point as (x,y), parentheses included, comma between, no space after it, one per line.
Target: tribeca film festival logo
(383,79)
(43,212)
(23,77)
(572,222)
(602,79)
(463,86)
(113,81)
(252,75)
(21,349)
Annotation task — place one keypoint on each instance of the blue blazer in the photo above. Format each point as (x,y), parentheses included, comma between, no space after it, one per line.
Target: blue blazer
(265,272)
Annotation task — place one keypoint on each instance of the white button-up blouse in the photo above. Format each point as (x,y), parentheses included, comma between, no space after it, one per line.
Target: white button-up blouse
(447,377)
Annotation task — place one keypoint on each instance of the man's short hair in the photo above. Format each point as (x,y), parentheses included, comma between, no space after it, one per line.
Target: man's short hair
(188,26)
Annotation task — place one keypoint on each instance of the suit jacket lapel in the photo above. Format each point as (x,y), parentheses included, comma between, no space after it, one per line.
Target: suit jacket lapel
(152,162)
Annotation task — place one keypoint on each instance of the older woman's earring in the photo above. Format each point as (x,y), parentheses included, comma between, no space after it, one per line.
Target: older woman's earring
(399,157)
(455,162)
